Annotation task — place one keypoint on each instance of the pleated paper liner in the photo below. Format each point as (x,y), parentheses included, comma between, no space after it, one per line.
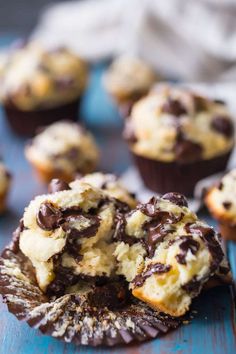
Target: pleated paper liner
(74,317)
(163,177)
(26,122)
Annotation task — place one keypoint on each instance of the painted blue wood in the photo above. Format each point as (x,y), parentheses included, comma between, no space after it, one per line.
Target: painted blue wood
(212,329)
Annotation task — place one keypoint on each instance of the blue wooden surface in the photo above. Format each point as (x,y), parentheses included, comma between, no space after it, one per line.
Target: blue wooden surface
(212,331)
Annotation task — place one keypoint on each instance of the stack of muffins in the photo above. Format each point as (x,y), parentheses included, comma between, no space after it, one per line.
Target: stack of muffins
(102,267)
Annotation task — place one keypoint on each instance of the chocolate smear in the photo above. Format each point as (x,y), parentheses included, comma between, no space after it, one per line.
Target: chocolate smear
(120,233)
(176,198)
(187,244)
(223,125)
(57,185)
(152,268)
(208,235)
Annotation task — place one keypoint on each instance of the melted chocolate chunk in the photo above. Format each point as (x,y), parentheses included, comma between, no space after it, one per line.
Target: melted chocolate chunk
(57,185)
(112,295)
(220,186)
(208,235)
(160,225)
(187,244)
(192,287)
(120,233)
(48,216)
(176,198)
(152,268)
(150,208)
(227,205)
(174,107)
(223,125)
(89,231)
(186,150)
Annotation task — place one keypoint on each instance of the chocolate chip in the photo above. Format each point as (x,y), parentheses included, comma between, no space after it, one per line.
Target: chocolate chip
(187,151)
(48,216)
(220,186)
(152,268)
(57,185)
(227,205)
(174,107)
(223,125)
(176,198)
(219,101)
(188,244)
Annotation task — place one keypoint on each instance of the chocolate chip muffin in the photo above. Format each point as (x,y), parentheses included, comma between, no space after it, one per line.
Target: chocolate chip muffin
(128,79)
(67,236)
(40,86)
(61,150)
(5,179)
(220,200)
(166,253)
(178,137)
(110,184)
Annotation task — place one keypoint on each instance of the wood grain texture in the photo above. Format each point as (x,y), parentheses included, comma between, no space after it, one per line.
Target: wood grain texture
(212,329)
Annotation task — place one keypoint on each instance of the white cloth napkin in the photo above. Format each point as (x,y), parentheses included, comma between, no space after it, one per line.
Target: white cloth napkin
(187,39)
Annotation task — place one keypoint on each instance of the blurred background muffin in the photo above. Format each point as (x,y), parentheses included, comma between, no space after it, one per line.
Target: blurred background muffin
(178,137)
(62,150)
(221,202)
(40,86)
(5,179)
(128,79)
(111,184)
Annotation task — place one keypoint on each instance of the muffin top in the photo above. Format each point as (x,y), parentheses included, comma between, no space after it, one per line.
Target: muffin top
(63,145)
(175,124)
(129,77)
(221,198)
(110,184)
(5,178)
(166,253)
(35,78)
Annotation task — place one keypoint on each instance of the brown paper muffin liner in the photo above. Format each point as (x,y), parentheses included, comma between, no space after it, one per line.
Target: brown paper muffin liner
(74,317)
(26,122)
(163,177)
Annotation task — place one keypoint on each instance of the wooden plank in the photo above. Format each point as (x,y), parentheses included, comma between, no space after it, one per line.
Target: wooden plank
(212,329)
